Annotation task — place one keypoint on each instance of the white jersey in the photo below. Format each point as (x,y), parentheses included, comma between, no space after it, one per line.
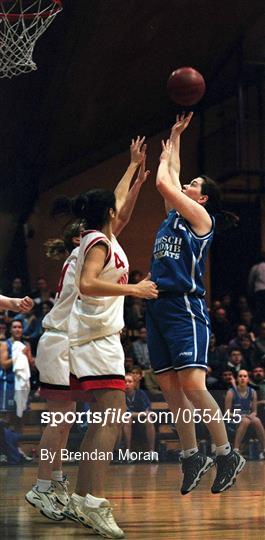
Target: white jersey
(94,317)
(58,318)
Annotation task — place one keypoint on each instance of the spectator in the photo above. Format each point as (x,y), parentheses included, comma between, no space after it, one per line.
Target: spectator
(140,349)
(42,293)
(243,399)
(256,288)
(241,330)
(226,303)
(152,386)
(246,318)
(221,326)
(235,362)
(137,402)
(7,376)
(248,351)
(216,360)
(128,363)
(258,378)
(126,342)
(17,290)
(259,344)
(138,377)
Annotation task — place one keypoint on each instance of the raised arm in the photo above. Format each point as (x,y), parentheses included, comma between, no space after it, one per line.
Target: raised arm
(137,150)
(181,124)
(190,210)
(16,304)
(126,210)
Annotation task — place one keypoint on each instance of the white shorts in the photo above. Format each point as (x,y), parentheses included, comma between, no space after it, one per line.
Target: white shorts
(98,364)
(52,361)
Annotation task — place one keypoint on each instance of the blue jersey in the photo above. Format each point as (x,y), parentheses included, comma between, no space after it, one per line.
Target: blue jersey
(179,256)
(244,404)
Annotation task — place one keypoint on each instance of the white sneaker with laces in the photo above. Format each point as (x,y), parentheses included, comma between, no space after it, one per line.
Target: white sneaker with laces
(45,502)
(61,490)
(100,519)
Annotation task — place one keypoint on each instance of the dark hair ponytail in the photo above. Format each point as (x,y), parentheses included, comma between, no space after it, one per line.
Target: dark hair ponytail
(224,220)
(92,208)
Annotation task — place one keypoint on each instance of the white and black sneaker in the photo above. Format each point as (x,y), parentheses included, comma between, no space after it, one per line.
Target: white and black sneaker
(45,502)
(228,467)
(60,488)
(98,520)
(193,468)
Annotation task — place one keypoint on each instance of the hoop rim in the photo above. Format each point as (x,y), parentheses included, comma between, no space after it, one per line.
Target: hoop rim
(30,16)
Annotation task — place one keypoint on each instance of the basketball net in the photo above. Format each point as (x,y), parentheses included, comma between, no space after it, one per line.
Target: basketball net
(22,22)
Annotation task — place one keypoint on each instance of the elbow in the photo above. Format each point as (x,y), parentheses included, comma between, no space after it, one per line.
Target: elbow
(85,287)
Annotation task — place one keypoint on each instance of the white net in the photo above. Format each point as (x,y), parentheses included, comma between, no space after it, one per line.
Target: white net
(22,22)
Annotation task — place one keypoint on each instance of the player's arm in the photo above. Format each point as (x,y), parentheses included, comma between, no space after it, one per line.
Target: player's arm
(190,210)
(228,400)
(126,211)
(254,405)
(137,150)
(5,362)
(16,304)
(181,124)
(92,285)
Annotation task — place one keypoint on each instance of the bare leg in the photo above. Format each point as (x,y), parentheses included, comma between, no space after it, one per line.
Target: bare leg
(193,383)
(127,434)
(241,431)
(54,438)
(151,436)
(171,387)
(92,474)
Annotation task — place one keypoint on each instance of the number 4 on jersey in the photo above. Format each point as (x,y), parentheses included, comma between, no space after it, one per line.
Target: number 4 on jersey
(118,262)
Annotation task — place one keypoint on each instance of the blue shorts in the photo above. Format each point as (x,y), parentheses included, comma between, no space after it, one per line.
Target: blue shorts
(178,329)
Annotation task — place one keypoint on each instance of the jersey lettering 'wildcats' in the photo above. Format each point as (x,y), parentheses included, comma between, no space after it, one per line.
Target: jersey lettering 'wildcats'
(93,317)
(58,317)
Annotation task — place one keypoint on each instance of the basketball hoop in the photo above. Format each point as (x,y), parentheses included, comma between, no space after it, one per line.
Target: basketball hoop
(22,22)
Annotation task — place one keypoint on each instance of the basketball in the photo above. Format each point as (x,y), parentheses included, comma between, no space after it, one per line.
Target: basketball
(186,86)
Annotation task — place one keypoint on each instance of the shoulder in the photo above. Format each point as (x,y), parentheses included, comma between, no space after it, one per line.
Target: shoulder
(207,235)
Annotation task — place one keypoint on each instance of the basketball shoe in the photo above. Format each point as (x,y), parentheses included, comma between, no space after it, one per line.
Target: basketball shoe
(60,488)
(193,468)
(45,502)
(98,520)
(228,467)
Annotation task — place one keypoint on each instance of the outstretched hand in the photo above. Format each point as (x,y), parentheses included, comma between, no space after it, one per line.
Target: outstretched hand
(181,124)
(166,150)
(142,174)
(137,149)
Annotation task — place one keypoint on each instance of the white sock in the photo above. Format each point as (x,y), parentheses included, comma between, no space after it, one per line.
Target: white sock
(57,476)
(78,498)
(43,485)
(93,502)
(223,450)
(190,452)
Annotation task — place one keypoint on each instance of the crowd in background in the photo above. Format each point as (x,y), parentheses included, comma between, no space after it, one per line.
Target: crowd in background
(237,341)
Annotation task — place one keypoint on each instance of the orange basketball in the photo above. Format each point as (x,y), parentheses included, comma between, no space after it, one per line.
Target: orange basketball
(186,86)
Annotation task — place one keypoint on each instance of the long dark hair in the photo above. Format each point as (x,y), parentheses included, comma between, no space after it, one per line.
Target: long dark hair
(91,208)
(58,248)
(224,220)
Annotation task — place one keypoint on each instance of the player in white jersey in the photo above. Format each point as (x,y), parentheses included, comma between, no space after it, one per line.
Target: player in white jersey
(96,354)
(52,361)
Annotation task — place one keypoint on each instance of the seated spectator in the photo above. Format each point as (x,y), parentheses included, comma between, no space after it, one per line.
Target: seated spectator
(128,364)
(42,293)
(225,381)
(226,303)
(259,346)
(216,361)
(152,387)
(258,381)
(246,318)
(17,289)
(235,362)
(138,377)
(137,402)
(243,400)
(140,350)
(221,326)
(235,342)
(7,375)
(248,351)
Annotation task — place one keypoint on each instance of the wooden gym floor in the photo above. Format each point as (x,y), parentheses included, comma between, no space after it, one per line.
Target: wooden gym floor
(147,505)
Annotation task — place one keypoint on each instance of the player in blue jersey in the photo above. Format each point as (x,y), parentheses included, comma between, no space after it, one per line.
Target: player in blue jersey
(178,323)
